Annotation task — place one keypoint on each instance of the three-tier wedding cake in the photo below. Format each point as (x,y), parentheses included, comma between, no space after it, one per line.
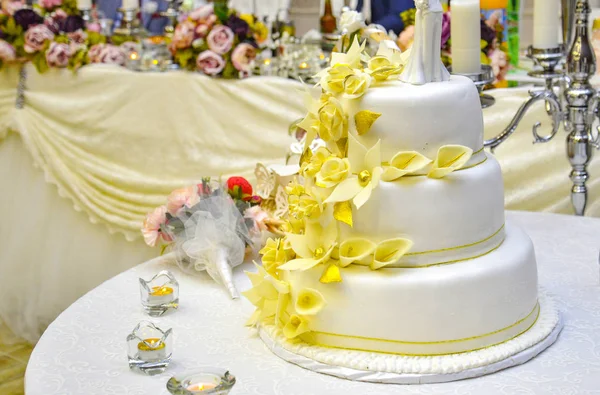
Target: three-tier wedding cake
(397,256)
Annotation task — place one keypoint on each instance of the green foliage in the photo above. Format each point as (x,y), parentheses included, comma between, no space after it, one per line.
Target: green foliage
(221,10)
(184,57)
(408,17)
(70,7)
(79,59)
(11,28)
(95,38)
(230,71)
(118,40)
(62,39)
(39,61)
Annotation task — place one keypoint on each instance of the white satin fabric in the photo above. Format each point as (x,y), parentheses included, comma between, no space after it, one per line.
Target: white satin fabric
(114,143)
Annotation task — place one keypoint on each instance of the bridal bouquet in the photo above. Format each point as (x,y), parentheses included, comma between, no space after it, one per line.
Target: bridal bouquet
(216,41)
(209,226)
(53,35)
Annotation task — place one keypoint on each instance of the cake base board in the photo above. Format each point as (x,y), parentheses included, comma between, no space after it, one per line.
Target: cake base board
(398,369)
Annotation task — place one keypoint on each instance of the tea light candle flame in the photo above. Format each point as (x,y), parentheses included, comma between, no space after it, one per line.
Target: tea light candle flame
(151,344)
(201,387)
(133,56)
(161,291)
(267,62)
(304,65)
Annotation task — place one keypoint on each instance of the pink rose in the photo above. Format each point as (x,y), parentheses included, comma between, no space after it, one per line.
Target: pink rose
(58,55)
(59,14)
(95,51)
(94,27)
(7,52)
(152,226)
(50,4)
(36,37)
(183,197)
(111,54)
(220,39)
(210,63)
(202,13)
(258,216)
(243,56)
(78,37)
(183,35)
(201,31)
(11,6)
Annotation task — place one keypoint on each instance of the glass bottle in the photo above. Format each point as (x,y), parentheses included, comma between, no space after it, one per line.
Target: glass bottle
(328,21)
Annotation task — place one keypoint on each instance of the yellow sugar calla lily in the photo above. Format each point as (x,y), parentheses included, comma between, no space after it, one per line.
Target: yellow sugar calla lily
(364,121)
(296,326)
(313,247)
(355,250)
(352,58)
(273,255)
(366,167)
(264,294)
(309,301)
(404,163)
(449,158)
(331,274)
(390,251)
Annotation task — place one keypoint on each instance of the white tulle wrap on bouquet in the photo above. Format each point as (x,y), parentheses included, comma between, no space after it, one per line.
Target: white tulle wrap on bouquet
(214,238)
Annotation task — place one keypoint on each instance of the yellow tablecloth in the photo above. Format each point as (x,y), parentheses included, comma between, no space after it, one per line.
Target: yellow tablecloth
(114,143)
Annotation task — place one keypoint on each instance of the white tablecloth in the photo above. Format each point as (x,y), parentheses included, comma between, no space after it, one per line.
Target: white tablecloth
(113,143)
(83,351)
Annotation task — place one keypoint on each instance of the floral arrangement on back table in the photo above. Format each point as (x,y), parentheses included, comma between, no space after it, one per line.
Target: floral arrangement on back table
(217,41)
(53,35)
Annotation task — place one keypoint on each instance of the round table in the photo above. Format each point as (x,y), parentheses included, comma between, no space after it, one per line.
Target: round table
(83,351)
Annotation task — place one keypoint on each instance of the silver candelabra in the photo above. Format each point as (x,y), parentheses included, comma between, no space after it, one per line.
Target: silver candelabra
(577,103)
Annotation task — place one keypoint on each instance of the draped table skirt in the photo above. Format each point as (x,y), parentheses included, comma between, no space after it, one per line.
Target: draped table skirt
(89,154)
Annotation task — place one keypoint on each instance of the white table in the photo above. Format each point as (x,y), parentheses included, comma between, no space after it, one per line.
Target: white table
(83,351)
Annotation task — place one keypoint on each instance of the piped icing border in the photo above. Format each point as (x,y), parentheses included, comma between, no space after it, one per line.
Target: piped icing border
(418,349)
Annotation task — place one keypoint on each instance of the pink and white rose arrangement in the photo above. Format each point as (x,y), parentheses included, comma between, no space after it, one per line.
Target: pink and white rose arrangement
(36,38)
(216,41)
(7,52)
(58,55)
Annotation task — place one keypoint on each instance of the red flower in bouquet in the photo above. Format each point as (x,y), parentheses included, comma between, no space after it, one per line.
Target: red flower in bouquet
(239,188)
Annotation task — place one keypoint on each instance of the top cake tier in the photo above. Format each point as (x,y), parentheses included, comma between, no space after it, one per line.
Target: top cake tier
(423,118)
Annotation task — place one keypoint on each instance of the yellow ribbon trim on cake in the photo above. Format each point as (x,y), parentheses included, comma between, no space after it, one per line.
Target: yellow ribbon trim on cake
(459,247)
(536,311)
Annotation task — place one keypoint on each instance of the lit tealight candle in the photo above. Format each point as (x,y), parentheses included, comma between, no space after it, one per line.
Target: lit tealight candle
(152,349)
(200,387)
(160,295)
(133,56)
(267,62)
(304,66)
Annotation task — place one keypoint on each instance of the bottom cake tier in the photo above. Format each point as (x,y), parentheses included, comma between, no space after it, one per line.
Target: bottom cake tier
(454,308)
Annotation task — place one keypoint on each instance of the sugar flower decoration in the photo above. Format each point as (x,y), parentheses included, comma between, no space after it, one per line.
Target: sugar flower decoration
(364,121)
(357,84)
(273,255)
(296,326)
(332,79)
(331,274)
(366,168)
(333,171)
(449,158)
(309,302)
(404,163)
(355,250)
(313,247)
(389,252)
(352,58)
(333,121)
(268,294)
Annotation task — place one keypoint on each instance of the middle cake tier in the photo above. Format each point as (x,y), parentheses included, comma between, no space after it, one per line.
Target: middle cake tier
(458,217)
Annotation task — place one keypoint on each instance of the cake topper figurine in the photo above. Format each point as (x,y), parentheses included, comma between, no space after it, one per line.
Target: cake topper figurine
(425,62)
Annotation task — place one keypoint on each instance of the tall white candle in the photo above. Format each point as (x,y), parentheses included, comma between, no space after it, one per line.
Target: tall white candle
(466,36)
(84,4)
(130,4)
(545,23)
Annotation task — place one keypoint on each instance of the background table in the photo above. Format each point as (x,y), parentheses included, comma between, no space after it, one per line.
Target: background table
(90,154)
(83,351)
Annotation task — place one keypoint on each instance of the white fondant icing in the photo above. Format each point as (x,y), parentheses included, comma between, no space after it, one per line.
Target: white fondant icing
(435,304)
(399,369)
(464,209)
(423,118)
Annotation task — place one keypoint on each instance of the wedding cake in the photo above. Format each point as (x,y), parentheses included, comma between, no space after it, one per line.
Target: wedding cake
(397,247)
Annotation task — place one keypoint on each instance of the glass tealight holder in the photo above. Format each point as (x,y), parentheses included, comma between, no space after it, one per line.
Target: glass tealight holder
(155,55)
(160,294)
(149,348)
(205,381)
